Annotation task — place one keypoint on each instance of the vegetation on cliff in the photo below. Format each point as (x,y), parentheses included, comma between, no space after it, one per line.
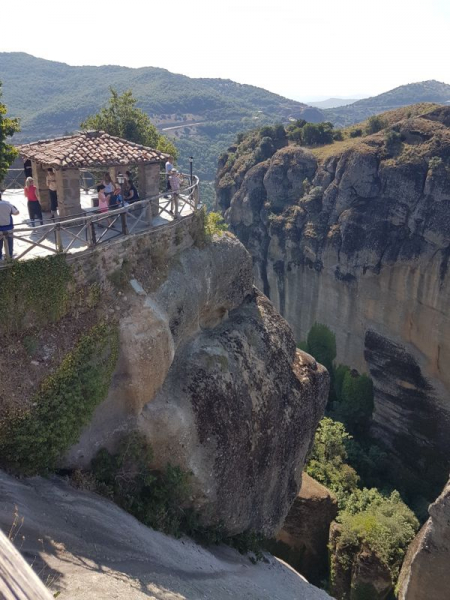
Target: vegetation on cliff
(32,439)
(7,128)
(370,520)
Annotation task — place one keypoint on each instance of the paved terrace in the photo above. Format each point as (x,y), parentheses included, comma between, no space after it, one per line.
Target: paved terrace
(90,228)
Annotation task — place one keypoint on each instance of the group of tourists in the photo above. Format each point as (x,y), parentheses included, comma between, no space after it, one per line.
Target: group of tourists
(112,195)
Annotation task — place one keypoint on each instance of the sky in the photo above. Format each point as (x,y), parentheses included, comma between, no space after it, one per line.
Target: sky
(304,50)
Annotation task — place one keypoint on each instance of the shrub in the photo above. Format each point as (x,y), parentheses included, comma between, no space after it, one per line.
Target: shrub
(393,141)
(214,224)
(338,136)
(327,460)
(317,133)
(357,132)
(158,498)
(435,163)
(375,124)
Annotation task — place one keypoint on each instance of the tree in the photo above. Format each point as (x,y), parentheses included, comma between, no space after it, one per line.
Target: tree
(321,344)
(123,119)
(317,133)
(7,128)
(355,404)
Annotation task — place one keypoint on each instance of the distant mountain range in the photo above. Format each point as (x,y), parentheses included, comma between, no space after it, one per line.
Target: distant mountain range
(202,115)
(333,102)
(412,93)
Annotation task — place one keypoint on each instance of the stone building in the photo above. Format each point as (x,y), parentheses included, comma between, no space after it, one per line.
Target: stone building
(90,150)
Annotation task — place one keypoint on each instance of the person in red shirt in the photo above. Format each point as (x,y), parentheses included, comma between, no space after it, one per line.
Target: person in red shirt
(34,207)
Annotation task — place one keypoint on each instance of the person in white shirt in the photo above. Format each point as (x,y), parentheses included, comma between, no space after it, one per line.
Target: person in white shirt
(175,182)
(7,210)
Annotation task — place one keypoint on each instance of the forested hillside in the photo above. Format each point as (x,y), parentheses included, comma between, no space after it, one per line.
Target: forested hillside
(202,115)
(413,93)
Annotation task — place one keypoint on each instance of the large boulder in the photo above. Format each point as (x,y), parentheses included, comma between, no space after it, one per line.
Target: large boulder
(425,572)
(209,372)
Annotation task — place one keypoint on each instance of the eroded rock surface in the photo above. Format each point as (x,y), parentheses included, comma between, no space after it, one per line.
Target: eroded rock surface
(425,572)
(86,548)
(303,539)
(357,236)
(209,373)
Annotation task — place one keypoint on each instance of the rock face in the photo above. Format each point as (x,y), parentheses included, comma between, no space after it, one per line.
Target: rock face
(209,373)
(303,539)
(86,548)
(357,236)
(425,571)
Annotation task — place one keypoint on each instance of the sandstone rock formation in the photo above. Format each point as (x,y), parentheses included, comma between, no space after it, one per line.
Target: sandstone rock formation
(86,548)
(356,236)
(357,572)
(425,571)
(209,372)
(303,539)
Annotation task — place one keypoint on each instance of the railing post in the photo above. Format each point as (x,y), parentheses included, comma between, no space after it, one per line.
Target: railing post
(5,243)
(123,220)
(59,244)
(93,236)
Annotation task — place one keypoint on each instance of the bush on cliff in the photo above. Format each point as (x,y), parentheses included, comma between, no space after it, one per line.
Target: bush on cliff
(328,460)
(383,523)
(158,498)
(33,439)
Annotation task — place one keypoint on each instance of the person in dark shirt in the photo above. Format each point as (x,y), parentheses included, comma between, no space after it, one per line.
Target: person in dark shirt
(133,195)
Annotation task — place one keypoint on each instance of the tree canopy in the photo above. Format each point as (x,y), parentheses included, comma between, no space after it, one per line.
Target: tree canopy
(7,128)
(121,117)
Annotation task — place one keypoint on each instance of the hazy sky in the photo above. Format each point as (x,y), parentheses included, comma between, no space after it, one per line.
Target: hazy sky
(300,49)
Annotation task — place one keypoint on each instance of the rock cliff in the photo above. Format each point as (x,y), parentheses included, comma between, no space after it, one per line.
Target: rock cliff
(356,235)
(425,571)
(207,371)
(303,540)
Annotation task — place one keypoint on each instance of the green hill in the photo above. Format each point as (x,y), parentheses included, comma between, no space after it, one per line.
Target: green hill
(203,115)
(413,93)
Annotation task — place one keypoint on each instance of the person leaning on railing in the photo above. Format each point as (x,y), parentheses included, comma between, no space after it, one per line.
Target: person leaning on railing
(175,183)
(7,210)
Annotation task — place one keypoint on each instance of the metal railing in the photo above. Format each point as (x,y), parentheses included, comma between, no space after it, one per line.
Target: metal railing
(86,230)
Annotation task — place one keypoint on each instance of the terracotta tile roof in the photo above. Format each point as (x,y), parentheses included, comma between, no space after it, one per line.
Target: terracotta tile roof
(89,149)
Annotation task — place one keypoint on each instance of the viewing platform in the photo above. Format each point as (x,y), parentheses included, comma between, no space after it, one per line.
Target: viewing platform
(78,162)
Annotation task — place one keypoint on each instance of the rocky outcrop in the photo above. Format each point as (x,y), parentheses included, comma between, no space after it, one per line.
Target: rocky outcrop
(357,236)
(209,372)
(425,571)
(86,548)
(303,539)
(357,572)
